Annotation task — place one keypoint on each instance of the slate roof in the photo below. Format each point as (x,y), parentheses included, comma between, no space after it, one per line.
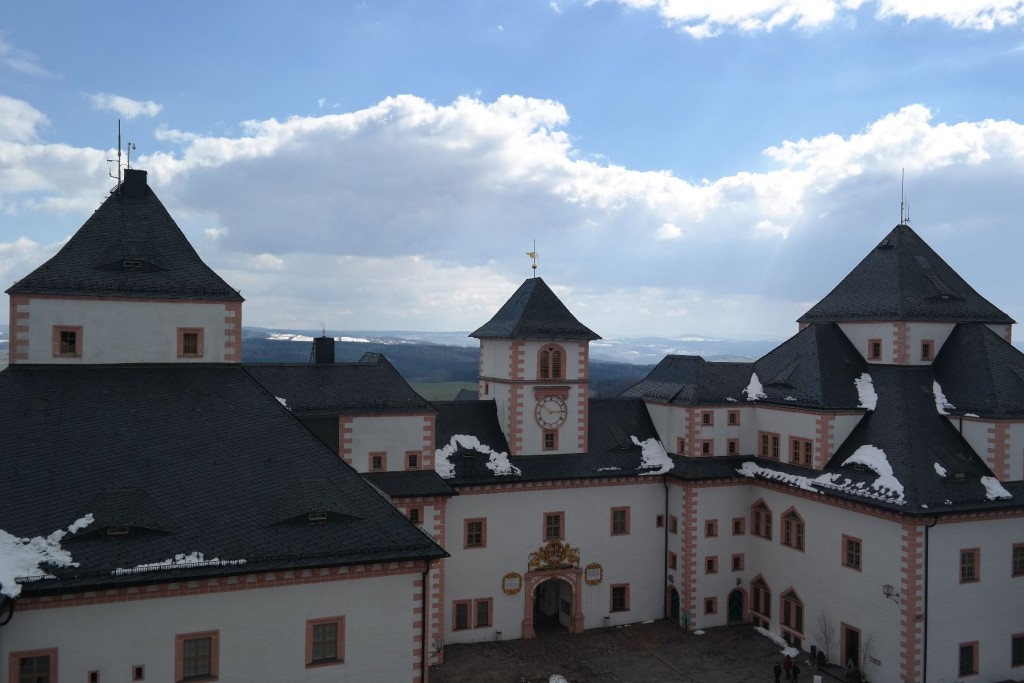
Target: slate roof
(371,385)
(189,458)
(410,484)
(691,380)
(534,312)
(815,368)
(903,279)
(129,247)
(981,373)
(907,426)
(612,452)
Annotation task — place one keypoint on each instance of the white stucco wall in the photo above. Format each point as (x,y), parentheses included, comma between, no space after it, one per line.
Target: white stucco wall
(393,434)
(918,332)
(987,611)
(515,528)
(125,331)
(112,638)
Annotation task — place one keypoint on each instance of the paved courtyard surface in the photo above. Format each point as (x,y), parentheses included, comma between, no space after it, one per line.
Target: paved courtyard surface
(656,652)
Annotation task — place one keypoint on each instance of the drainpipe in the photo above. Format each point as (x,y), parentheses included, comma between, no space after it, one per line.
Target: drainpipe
(424,645)
(924,639)
(664,560)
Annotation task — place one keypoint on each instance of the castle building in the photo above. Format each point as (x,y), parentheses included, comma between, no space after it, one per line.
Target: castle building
(858,490)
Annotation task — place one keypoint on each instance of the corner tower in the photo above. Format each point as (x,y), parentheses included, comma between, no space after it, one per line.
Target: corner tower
(126,288)
(535,365)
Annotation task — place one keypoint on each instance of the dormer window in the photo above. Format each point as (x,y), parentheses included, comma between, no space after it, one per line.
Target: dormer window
(129,264)
(315,517)
(551,363)
(117,531)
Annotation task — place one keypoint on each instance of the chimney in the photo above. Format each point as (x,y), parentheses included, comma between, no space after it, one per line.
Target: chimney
(134,183)
(323,350)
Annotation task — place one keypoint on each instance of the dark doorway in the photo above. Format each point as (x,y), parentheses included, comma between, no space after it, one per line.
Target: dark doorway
(552,607)
(736,607)
(851,650)
(673,605)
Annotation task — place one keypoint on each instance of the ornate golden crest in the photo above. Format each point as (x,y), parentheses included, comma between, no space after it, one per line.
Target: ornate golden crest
(554,555)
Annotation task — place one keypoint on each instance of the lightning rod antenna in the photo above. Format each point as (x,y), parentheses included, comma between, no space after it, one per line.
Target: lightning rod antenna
(118,176)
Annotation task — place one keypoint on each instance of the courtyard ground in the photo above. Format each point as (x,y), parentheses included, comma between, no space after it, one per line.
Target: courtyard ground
(654,652)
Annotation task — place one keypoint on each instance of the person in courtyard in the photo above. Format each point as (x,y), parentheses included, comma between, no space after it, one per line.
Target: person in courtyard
(796,672)
(787,664)
(778,672)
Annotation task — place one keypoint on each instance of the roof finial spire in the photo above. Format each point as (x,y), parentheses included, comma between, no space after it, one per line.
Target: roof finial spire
(118,176)
(533,255)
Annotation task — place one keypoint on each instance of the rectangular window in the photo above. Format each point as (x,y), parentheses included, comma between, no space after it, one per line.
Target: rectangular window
(138,673)
(1018,559)
(737,562)
(378,461)
(325,641)
(739,525)
(416,514)
(659,521)
(968,659)
(196,656)
(769,445)
(710,605)
(620,597)
(475,533)
(874,349)
(190,342)
(673,524)
(793,530)
(734,417)
(711,564)
(707,447)
(927,349)
(851,552)
(412,460)
(1017,649)
(67,341)
(733,446)
(761,520)
(671,560)
(34,666)
(550,440)
(554,526)
(970,565)
(801,451)
(620,521)
(680,446)
(710,528)
(707,418)
(460,614)
(482,612)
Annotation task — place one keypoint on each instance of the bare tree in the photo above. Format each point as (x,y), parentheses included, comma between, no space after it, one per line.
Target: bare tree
(825,634)
(866,660)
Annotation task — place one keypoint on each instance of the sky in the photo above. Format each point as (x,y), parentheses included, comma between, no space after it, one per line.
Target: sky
(684,167)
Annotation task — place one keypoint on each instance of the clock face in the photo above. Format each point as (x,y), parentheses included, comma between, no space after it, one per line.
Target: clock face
(551,412)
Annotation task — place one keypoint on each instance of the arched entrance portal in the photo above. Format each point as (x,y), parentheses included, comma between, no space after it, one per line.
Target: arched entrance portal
(673,605)
(737,607)
(553,602)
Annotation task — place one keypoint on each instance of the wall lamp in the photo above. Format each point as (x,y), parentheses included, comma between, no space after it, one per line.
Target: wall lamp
(889,592)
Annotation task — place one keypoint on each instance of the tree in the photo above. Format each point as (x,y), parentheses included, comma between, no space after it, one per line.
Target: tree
(825,634)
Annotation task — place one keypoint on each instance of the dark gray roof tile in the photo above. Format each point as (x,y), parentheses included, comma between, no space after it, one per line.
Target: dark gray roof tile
(534,312)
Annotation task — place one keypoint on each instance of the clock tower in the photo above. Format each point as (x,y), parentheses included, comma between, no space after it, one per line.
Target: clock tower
(535,366)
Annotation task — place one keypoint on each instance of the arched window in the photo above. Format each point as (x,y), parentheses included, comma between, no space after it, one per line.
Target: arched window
(551,362)
(761,520)
(793,529)
(761,602)
(792,618)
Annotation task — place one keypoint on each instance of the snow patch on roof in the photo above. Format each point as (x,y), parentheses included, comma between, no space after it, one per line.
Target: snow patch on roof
(653,455)
(607,469)
(940,470)
(558,678)
(498,462)
(20,557)
(941,404)
(180,561)
(282,402)
(874,458)
(777,639)
(754,390)
(828,480)
(866,391)
(993,489)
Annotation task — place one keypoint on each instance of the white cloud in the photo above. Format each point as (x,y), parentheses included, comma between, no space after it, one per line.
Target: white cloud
(710,18)
(19,121)
(124,106)
(412,215)
(19,60)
